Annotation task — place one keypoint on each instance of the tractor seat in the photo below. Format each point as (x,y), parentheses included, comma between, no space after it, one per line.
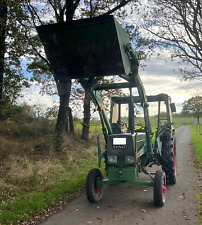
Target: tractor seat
(116,128)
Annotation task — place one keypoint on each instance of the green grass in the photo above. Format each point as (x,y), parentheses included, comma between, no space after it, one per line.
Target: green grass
(33,176)
(180,121)
(196,133)
(42,190)
(94,127)
(24,205)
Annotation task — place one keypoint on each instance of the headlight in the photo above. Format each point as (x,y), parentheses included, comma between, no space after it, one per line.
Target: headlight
(130,159)
(112,159)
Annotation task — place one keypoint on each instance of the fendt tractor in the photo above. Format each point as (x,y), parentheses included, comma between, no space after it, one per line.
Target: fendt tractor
(88,50)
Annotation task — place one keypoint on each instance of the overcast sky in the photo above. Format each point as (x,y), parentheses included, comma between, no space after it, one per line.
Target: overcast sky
(160,76)
(157,77)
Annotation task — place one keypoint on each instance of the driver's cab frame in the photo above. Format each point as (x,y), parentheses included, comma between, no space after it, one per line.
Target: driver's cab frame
(122,124)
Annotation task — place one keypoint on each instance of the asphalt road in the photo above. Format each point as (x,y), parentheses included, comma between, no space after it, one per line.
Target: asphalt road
(125,204)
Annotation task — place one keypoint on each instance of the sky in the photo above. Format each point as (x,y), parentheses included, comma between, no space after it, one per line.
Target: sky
(159,76)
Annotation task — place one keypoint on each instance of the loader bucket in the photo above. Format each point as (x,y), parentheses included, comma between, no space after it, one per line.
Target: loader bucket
(86,48)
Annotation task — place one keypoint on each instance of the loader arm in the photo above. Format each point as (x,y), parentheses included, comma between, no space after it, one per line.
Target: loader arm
(133,80)
(97,100)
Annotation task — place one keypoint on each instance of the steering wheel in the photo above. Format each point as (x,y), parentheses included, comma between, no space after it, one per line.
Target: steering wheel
(124,124)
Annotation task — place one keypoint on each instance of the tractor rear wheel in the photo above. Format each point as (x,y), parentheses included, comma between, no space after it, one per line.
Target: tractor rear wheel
(169,159)
(94,191)
(159,188)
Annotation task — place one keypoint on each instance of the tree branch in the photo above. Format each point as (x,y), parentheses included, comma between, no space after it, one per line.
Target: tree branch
(121,4)
(33,13)
(57,16)
(40,56)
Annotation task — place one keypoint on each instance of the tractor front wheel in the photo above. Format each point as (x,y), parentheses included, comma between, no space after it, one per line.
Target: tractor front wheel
(159,188)
(94,191)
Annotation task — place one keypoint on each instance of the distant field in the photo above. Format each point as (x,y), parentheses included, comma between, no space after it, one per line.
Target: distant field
(94,127)
(184,121)
(177,122)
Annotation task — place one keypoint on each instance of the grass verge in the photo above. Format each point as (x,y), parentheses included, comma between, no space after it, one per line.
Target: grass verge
(34,178)
(197,144)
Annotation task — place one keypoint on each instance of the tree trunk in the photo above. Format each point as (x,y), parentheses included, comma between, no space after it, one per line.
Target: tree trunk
(71,123)
(64,89)
(86,118)
(3,19)
(198,121)
(69,10)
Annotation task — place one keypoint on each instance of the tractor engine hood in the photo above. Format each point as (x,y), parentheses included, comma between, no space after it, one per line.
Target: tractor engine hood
(125,148)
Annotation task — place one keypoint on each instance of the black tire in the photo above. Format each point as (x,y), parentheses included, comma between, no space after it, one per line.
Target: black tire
(169,159)
(159,188)
(93,191)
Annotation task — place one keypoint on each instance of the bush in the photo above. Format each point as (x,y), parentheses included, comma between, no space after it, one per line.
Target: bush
(10,112)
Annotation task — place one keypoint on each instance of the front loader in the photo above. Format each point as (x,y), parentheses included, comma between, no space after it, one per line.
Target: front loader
(88,50)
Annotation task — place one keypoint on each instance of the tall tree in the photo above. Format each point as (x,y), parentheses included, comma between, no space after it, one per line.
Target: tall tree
(193,106)
(12,48)
(3,19)
(177,26)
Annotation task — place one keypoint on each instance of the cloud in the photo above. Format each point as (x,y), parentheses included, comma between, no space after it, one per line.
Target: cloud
(33,97)
(157,77)
(161,77)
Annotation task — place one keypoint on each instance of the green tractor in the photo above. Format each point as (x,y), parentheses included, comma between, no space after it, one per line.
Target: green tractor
(128,152)
(88,50)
